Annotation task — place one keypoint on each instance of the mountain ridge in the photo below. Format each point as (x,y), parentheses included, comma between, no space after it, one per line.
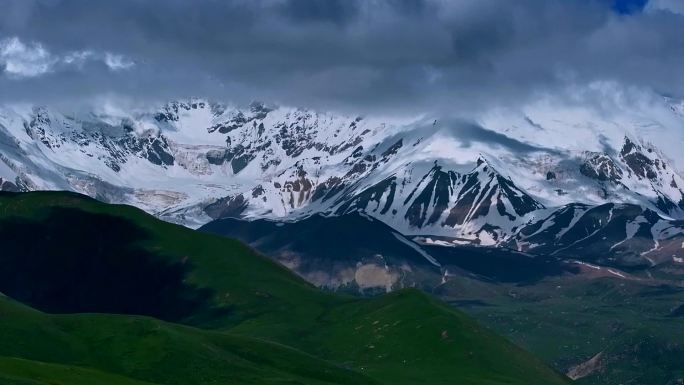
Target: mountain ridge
(194,161)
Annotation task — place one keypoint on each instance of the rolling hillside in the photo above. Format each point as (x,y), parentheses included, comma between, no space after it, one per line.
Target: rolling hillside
(103,293)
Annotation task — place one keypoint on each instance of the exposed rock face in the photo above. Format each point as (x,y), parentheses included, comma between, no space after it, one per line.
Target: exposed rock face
(601,167)
(228,207)
(638,163)
(6,185)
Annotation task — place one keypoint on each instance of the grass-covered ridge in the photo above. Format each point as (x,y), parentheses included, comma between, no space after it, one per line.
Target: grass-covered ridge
(196,309)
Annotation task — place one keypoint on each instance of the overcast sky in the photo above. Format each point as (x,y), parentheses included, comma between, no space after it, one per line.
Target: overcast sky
(384,55)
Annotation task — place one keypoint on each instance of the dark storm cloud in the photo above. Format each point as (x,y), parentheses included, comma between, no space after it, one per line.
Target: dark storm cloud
(394,55)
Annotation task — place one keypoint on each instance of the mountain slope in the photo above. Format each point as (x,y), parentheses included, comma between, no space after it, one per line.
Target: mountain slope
(480,206)
(351,251)
(239,305)
(154,351)
(16,371)
(623,235)
(358,253)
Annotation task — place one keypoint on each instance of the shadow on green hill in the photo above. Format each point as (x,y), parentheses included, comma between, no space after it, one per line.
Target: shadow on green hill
(78,262)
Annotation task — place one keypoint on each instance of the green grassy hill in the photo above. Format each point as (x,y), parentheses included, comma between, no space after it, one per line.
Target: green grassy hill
(108,294)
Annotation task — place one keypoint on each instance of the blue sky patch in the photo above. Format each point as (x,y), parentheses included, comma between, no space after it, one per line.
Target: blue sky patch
(629,6)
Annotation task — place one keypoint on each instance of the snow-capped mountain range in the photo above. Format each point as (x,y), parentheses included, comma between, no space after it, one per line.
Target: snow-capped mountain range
(544,180)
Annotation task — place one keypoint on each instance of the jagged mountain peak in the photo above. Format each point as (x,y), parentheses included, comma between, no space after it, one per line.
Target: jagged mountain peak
(445,201)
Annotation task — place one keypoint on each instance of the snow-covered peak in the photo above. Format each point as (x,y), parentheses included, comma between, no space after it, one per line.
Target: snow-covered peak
(477,181)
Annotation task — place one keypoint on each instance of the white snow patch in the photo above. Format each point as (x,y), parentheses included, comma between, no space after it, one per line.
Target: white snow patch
(587,265)
(417,248)
(617,273)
